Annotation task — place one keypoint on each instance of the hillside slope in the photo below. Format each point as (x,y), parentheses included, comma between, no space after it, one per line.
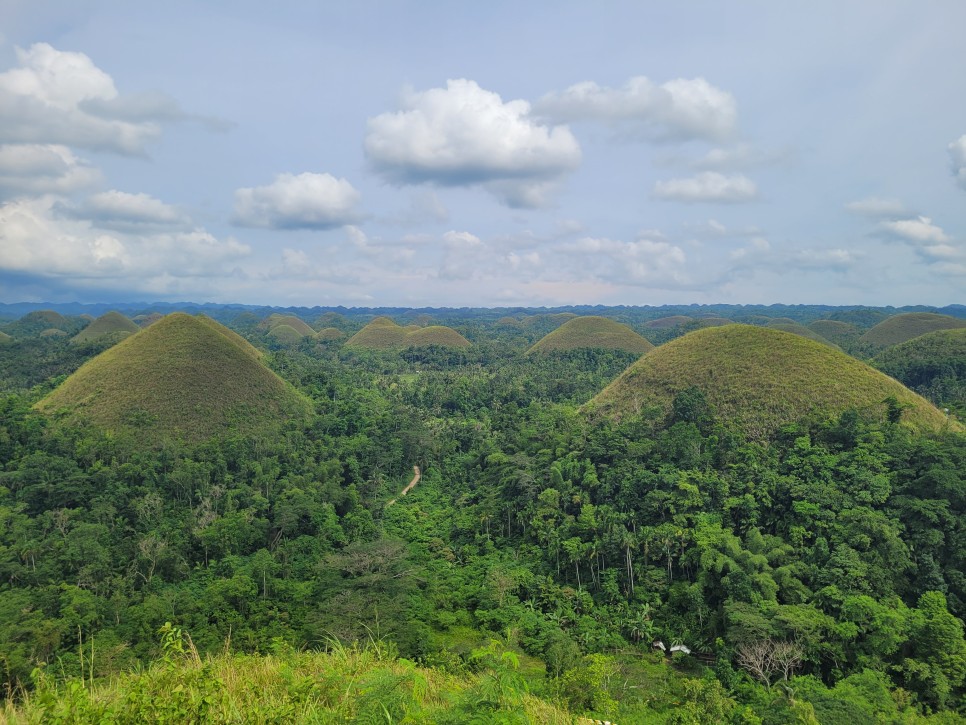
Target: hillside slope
(759,379)
(592,332)
(109,324)
(183,376)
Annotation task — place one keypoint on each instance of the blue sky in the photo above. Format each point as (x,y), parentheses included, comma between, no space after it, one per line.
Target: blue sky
(483,154)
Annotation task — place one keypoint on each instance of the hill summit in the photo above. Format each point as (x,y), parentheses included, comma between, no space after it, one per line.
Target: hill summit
(592,332)
(758,380)
(112,324)
(384,334)
(899,328)
(184,376)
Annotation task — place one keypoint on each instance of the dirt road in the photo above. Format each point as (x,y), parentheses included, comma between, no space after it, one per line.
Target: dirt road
(408,488)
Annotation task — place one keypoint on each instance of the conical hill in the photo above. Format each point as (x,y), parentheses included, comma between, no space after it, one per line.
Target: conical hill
(436,335)
(592,332)
(184,376)
(112,324)
(384,334)
(900,328)
(758,380)
(796,329)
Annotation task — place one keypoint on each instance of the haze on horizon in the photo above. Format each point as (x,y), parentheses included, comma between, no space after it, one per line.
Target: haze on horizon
(441,154)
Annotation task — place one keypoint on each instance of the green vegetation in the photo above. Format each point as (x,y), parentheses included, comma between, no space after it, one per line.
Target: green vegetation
(53,332)
(760,379)
(671,321)
(112,324)
(180,377)
(843,334)
(900,328)
(5,338)
(934,365)
(290,321)
(814,562)
(329,334)
(801,330)
(435,335)
(33,324)
(285,335)
(592,332)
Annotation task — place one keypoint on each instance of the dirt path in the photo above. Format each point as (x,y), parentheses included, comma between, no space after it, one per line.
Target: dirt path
(408,487)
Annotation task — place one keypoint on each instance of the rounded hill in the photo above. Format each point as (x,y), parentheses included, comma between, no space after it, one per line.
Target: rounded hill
(758,380)
(436,335)
(899,328)
(664,322)
(933,365)
(37,322)
(841,333)
(186,377)
(592,332)
(801,330)
(112,324)
(291,321)
(384,334)
(380,334)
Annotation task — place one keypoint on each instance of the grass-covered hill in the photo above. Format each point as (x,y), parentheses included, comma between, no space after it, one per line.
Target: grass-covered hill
(34,323)
(900,328)
(285,335)
(714,322)
(592,332)
(384,334)
(328,334)
(112,324)
(759,379)
(5,338)
(934,365)
(147,319)
(295,323)
(801,330)
(183,376)
(671,321)
(435,335)
(841,333)
(380,334)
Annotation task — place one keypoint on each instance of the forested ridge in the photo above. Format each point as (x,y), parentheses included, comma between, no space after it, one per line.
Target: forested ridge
(817,575)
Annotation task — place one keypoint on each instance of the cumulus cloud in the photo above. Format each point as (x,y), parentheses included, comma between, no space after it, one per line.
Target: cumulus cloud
(920,230)
(831,259)
(957,153)
(36,242)
(305,201)
(641,262)
(741,156)
(35,169)
(678,110)
(874,206)
(120,210)
(709,187)
(463,135)
(59,97)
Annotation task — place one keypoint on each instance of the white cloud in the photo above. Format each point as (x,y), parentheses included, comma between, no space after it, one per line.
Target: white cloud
(920,230)
(36,169)
(641,262)
(58,97)
(834,259)
(741,156)
(463,135)
(36,242)
(306,201)
(716,230)
(756,248)
(708,186)
(461,240)
(874,206)
(121,210)
(957,152)
(678,110)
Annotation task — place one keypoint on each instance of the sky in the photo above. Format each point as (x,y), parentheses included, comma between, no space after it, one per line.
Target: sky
(440,153)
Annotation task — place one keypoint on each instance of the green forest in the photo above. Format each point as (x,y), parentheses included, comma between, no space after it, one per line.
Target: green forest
(202,520)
